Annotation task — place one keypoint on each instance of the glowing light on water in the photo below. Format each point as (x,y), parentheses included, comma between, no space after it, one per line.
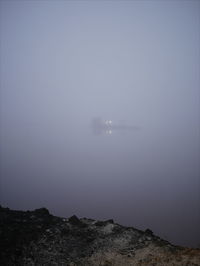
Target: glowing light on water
(108,122)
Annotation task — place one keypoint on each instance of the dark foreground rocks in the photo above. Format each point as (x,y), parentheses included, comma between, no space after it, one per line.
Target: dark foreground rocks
(35,238)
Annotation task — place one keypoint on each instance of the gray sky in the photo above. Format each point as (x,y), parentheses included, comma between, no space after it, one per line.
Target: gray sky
(62,63)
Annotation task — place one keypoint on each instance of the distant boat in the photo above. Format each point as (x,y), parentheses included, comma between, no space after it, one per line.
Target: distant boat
(101,126)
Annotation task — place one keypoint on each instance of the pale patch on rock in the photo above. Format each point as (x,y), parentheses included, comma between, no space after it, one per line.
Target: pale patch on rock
(107,229)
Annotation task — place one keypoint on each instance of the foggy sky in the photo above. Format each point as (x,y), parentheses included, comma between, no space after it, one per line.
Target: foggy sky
(62,63)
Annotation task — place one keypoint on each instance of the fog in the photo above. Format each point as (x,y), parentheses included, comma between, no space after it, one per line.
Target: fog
(134,63)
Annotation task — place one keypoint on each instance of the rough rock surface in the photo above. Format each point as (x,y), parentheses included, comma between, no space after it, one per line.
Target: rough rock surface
(39,238)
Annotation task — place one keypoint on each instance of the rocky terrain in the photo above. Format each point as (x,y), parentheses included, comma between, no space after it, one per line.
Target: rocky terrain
(39,238)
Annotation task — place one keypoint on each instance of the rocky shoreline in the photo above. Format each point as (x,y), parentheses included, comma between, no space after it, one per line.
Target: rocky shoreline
(35,238)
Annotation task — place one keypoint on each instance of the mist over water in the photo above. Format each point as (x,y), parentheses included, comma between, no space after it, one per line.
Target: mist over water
(134,63)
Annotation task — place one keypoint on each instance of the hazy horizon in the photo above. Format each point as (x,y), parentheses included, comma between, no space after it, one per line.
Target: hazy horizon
(135,63)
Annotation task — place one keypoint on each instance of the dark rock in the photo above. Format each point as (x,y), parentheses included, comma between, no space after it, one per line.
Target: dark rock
(42,211)
(110,221)
(37,238)
(148,232)
(103,223)
(100,223)
(74,220)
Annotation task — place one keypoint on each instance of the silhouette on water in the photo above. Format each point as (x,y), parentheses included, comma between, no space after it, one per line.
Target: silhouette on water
(101,126)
